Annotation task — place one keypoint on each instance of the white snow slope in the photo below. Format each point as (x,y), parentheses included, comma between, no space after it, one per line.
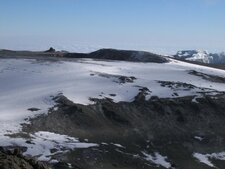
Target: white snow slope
(32,83)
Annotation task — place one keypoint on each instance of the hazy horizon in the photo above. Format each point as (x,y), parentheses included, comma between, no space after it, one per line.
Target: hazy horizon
(160,26)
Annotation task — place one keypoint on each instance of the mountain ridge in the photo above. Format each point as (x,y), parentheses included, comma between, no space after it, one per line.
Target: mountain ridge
(109,54)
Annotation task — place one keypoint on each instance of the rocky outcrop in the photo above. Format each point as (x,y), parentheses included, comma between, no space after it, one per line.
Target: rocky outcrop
(15,160)
(50,50)
(169,126)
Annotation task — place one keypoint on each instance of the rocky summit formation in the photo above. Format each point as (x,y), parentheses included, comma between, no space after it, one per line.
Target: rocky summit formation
(50,50)
(15,160)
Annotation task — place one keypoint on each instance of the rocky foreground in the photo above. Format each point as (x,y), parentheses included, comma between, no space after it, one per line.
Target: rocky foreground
(15,160)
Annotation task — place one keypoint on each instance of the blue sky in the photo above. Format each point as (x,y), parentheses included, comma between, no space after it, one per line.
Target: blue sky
(154,25)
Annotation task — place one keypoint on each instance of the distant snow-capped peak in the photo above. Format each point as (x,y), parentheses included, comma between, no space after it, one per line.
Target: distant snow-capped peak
(201,56)
(187,53)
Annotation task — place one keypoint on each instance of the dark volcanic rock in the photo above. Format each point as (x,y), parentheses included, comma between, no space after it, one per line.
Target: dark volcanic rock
(33,109)
(121,55)
(50,50)
(212,78)
(126,55)
(165,125)
(63,165)
(15,160)
(124,79)
(163,119)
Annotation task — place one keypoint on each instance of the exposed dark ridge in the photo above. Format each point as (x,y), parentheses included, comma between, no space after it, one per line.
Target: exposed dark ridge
(127,55)
(121,55)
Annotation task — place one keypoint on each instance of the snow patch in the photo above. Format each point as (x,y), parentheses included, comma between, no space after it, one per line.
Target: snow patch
(157,159)
(205,158)
(118,145)
(198,138)
(42,142)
